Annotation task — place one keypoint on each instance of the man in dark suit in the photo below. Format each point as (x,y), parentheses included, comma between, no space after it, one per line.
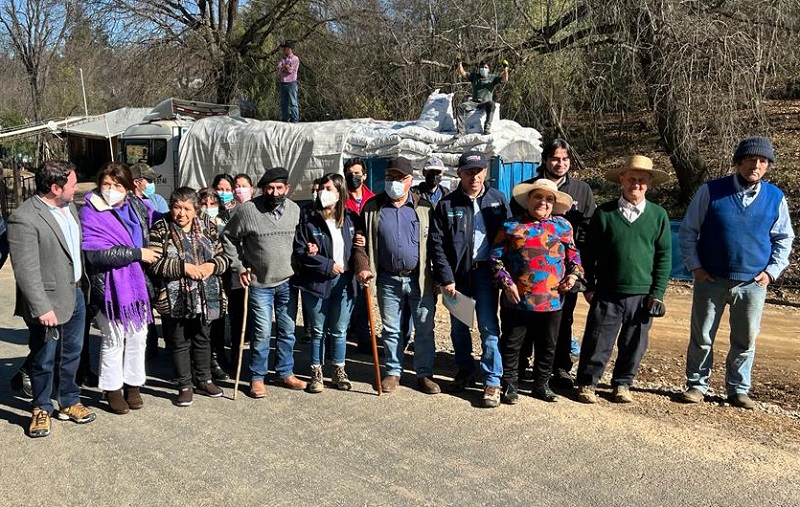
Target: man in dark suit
(45,239)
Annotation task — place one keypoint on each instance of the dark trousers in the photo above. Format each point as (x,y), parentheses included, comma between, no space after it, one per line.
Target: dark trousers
(64,354)
(190,345)
(515,325)
(217,333)
(236,314)
(563,358)
(611,315)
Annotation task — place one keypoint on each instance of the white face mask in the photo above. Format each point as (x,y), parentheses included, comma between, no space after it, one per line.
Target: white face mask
(113,197)
(395,189)
(484,71)
(327,198)
(211,212)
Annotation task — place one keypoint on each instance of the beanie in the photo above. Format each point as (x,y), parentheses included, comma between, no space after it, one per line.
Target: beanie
(754,146)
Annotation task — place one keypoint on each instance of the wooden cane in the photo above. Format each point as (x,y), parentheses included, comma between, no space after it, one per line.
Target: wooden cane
(241,337)
(368,297)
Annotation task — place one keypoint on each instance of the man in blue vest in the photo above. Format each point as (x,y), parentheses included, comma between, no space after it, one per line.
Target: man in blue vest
(735,239)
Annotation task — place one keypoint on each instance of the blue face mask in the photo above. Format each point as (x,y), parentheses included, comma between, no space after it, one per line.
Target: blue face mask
(149,190)
(484,71)
(225,197)
(395,189)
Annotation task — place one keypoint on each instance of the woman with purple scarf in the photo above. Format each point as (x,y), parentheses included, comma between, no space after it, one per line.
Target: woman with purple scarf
(116,231)
(190,295)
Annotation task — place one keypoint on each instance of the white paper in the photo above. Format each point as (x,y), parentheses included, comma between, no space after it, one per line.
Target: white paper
(460,306)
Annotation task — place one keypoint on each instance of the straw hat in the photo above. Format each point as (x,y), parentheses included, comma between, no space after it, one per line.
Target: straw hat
(563,200)
(640,163)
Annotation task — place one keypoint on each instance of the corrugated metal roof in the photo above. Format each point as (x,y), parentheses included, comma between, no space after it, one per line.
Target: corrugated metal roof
(110,124)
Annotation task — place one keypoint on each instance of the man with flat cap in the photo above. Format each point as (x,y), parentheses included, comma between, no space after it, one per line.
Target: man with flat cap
(258,239)
(626,258)
(397,224)
(736,239)
(288,66)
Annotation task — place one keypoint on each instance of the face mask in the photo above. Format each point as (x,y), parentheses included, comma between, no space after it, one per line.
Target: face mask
(149,190)
(243,194)
(353,180)
(273,201)
(433,179)
(327,198)
(113,197)
(395,189)
(225,197)
(483,71)
(211,212)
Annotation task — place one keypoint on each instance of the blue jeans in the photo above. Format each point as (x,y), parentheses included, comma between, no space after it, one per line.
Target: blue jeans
(746,300)
(486,300)
(263,301)
(330,316)
(394,291)
(289,108)
(68,349)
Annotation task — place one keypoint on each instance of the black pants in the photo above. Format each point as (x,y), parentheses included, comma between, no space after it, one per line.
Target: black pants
(611,315)
(236,314)
(190,346)
(515,325)
(563,357)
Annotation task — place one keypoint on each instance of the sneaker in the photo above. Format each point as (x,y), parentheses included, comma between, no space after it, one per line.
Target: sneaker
(184,397)
(340,379)
(76,413)
(40,423)
(291,382)
(621,394)
(428,386)
(133,397)
(491,397)
(209,388)
(316,385)
(461,381)
(692,395)
(741,400)
(586,395)
(509,394)
(390,383)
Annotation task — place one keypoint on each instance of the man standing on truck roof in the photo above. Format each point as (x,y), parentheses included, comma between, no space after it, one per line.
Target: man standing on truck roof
(287,70)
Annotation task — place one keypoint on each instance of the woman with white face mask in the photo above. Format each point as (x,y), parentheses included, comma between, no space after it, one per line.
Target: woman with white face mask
(116,230)
(323,248)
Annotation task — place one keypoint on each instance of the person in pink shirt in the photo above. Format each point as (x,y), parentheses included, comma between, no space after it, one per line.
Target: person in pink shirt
(287,70)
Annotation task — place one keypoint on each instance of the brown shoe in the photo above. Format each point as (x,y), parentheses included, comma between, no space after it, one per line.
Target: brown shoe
(133,397)
(40,423)
(586,395)
(257,389)
(291,382)
(117,403)
(390,383)
(428,386)
(622,394)
(76,413)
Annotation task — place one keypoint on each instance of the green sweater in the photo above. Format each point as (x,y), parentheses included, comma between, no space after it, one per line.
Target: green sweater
(628,258)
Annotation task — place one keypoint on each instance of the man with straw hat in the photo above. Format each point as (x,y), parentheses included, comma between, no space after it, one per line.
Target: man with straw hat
(627,261)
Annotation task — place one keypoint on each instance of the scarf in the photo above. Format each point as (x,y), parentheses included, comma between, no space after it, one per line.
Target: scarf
(126,298)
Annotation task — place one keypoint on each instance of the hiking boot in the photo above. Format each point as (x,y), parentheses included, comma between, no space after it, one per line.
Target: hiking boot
(462,380)
(209,388)
(542,391)
(291,382)
(741,400)
(586,395)
(621,394)
(257,389)
(133,397)
(692,395)
(21,381)
(491,397)
(509,394)
(316,385)
(390,383)
(40,423)
(185,396)
(76,413)
(428,386)
(562,379)
(340,380)
(116,402)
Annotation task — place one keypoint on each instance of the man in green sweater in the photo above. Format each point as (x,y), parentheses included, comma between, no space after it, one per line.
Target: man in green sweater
(627,261)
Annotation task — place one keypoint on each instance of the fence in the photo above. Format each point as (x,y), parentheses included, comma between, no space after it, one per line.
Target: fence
(15,188)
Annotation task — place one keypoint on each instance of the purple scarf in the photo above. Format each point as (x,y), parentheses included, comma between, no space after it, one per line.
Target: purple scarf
(126,298)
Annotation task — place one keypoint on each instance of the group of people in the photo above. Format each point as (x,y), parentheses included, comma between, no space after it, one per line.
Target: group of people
(530,258)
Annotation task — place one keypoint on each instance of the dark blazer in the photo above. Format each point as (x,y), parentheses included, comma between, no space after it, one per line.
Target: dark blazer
(42,264)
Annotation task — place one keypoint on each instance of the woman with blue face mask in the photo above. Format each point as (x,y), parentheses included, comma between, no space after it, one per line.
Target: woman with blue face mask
(223,184)
(325,275)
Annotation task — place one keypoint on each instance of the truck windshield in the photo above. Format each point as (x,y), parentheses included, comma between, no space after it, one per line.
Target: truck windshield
(152,152)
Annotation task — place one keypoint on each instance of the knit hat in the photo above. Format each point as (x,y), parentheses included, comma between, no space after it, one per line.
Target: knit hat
(754,146)
(563,200)
(639,163)
(278,174)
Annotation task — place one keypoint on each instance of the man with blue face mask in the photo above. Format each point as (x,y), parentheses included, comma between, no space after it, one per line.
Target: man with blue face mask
(396,234)
(483,84)
(145,188)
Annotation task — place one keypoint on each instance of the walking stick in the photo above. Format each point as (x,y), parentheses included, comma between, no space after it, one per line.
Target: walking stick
(374,339)
(241,337)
